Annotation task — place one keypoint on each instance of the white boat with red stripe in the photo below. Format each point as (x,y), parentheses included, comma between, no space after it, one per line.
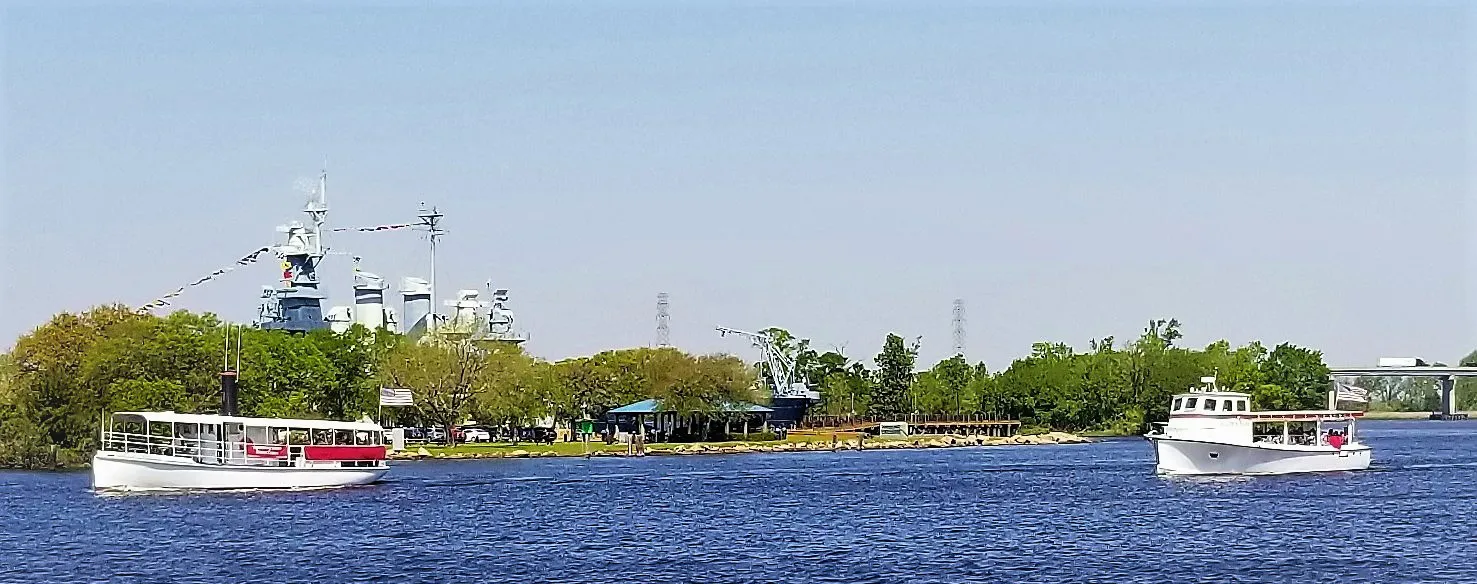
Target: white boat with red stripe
(1213,432)
(168,450)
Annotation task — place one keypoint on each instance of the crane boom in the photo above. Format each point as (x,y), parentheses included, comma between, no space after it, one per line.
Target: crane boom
(781,368)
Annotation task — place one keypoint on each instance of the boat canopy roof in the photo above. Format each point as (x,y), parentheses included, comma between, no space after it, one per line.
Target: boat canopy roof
(1230,394)
(1303,415)
(255,422)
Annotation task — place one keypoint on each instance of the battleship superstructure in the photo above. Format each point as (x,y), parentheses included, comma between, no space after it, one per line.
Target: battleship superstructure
(468,321)
(416,295)
(296,304)
(500,322)
(369,308)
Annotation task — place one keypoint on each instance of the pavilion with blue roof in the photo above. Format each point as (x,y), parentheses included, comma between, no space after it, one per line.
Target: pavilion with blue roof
(648,416)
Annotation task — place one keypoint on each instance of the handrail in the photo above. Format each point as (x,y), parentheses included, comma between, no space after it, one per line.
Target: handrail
(219,451)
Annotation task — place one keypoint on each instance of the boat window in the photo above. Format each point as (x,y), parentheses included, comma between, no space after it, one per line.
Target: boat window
(1210,404)
(128,424)
(260,435)
(343,437)
(1240,405)
(160,429)
(1190,403)
(1270,432)
(1177,404)
(323,437)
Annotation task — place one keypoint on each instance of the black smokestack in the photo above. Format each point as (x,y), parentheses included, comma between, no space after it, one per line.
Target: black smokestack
(228,393)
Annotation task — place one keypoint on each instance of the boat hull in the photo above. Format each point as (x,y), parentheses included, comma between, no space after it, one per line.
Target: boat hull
(131,471)
(1192,457)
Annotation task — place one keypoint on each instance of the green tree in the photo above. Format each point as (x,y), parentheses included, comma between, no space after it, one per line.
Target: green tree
(49,387)
(894,377)
(170,363)
(512,390)
(1236,369)
(984,389)
(847,392)
(283,375)
(1300,371)
(929,395)
(955,375)
(443,376)
(354,356)
(1270,396)
(820,373)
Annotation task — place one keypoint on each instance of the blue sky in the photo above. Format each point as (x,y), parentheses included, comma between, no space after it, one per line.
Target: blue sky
(1070,170)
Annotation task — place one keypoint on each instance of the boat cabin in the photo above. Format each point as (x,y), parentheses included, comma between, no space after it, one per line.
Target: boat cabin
(240,441)
(1209,414)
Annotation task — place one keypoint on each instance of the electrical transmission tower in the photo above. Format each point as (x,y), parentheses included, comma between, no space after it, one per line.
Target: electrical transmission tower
(959,326)
(663,333)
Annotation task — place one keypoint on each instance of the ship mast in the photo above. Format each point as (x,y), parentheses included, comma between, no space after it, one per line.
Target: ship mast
(430,218)
(318,210)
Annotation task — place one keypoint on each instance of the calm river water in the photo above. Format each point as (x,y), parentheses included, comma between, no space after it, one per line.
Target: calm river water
(1083,513)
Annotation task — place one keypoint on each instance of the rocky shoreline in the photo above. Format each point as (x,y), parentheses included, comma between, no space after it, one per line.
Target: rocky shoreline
(810,446)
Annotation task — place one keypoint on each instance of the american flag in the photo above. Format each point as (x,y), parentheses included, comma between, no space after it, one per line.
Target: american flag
(390,396)
(1350,393)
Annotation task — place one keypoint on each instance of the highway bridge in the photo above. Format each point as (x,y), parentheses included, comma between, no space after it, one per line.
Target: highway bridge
(1445,374)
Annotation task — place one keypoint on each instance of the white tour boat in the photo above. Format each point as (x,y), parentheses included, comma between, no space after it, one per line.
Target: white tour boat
(1215,432)
(167,450)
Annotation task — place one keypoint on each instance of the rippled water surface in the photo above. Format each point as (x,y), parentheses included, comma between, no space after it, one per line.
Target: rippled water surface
(1083,513)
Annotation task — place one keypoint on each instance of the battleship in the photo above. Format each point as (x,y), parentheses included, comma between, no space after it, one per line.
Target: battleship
(296,302)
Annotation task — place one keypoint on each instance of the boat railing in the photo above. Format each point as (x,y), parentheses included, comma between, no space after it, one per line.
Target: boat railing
(1300,439)
(240,452)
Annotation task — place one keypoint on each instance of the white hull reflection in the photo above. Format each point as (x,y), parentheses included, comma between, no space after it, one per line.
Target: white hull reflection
(1191,457)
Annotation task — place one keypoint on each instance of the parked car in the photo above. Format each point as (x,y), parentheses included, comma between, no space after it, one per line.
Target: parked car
(475,435)
(539,435)
(435,434)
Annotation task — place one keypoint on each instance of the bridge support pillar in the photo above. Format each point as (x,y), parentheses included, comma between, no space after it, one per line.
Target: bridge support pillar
(1448,397)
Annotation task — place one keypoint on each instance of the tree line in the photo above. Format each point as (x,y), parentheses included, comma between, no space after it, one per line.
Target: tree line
(1109,387)
(58,380)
